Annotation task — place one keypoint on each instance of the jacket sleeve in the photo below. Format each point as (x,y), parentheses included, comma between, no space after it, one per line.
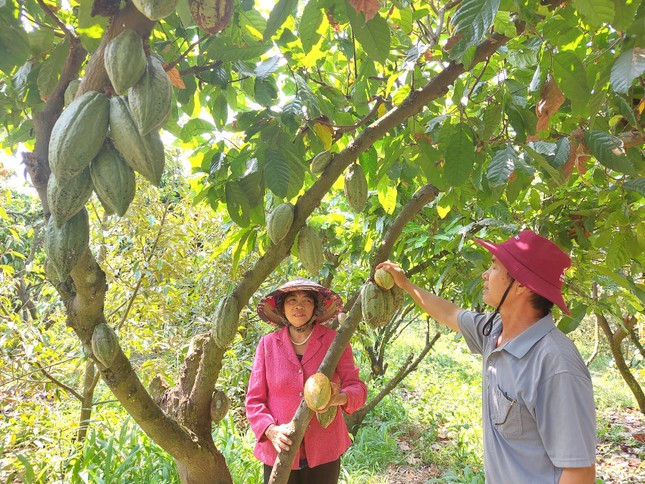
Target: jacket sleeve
(257,410)
(350,382)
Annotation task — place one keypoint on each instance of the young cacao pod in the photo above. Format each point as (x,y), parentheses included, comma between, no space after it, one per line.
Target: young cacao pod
(125,60)
(155,9)
(327,417)
(150,99)
(279,222)
(105,344)
(374,305)
(310,250)
(114,181)
(212,16)
(70,92)
(67,199)
(65,246)
(383,279)
(220,404)
(225,321)
(356,187)
(317,391)
(78,135)
(144,154)
(320,162)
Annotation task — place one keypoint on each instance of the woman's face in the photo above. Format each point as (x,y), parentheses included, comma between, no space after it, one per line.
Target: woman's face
(299,307)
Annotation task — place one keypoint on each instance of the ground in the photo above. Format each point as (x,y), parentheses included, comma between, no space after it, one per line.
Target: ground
(620,454)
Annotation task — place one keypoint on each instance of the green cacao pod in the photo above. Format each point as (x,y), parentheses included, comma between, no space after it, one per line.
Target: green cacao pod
(67,199)
(144,154)
(212,16)
(327,417)
(320,162)
(65,246)
(356,187)
(114,181)
(125,60)
(317,391)
(279,222)
(105,344)
(383,279)
(225,321)
(220,404)
(155,9)
(78,135)
(374,305)
(150,99)
(310,250)
(70,92)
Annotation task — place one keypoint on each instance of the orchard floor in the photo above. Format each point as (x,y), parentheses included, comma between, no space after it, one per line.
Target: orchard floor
(620,454)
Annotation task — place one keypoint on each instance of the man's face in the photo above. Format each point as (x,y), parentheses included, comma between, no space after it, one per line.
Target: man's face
(496,280)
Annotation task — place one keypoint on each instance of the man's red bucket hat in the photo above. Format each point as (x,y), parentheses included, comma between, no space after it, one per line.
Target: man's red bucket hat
(534,262)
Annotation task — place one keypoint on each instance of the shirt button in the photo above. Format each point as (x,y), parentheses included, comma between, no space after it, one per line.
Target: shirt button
(299,371)
(300,394)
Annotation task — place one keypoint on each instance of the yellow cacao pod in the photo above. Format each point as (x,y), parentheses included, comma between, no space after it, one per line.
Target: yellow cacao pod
(279,222)
(383,279)
(125,60)
(310,250)
(105,344)
(317,391)
(356,187)
(225,321)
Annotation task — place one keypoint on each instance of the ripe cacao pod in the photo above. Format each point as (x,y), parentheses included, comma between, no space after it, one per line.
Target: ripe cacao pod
(114,181)
(212,16)
(279,222)
(317,391)
(320,162)
(225,321)
(310,250)
(105,344)
(65,246)
(374,305)
(70,92)
(78,135)
(383,279)
(150,99)
(327,417)
(67,199)
(144,154)
(125,60)
(155,9)
(220,404)
(356,187)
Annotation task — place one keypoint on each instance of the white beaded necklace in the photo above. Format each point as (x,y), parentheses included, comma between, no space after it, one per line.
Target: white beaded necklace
(306,339)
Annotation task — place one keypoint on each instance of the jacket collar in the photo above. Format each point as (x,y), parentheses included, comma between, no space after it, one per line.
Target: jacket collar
(523,342)
(313,346)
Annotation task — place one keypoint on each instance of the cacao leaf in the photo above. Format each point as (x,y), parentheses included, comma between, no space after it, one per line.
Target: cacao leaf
(278,16)
(595,12)
(629,66)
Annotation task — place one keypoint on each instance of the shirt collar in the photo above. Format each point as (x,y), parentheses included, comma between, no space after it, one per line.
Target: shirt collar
(523,342)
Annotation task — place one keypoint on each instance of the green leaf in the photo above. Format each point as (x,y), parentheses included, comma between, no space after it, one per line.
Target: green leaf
(608,150)
(542,162)
(237,204)
(572,79)
(220,48)
(219,111)
(387,194)
(569,323)
(283,177)
(265,91)
(629,66)
(472,20)
(278,16)
(595,12)
(374,36)
(501,166)
(51,69)
(636,185)
(459,157)
(41,40)
(309,22)
(194,128)
(14,46)
(267,67)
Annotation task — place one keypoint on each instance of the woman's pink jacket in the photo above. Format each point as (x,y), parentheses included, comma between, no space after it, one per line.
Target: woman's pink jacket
(275,392)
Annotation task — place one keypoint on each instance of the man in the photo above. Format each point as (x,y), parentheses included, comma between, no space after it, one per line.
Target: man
(538,406)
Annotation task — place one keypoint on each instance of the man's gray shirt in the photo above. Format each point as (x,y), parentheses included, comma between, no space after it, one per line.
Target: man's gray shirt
(538,407)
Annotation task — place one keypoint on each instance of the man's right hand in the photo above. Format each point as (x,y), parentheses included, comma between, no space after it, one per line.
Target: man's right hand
(279,436)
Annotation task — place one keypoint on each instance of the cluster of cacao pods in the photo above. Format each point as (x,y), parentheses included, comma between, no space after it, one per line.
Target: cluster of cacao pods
(98,143)
(379,305)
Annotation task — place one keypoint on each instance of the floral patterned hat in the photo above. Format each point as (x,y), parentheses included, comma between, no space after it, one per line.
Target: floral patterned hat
(329,304)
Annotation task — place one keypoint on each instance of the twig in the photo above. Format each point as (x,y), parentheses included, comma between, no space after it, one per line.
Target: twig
(56,20)
(184,55)
(59,383)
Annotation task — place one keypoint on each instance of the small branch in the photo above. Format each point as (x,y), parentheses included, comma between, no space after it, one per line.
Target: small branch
(68,389)
(185,54)
(58,21)
(199,69)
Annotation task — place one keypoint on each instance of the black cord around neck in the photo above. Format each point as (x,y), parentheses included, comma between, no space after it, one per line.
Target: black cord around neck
(488,327)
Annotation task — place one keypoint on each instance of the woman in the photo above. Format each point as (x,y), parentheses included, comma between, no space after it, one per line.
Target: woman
(283,361)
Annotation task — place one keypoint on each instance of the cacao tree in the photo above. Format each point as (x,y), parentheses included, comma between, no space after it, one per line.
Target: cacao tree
(441,121)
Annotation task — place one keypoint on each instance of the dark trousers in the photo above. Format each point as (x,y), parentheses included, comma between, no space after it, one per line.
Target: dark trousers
(322,474)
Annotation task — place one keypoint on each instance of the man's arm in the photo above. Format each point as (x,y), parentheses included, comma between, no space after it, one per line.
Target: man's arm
(578,475)
(443,311)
